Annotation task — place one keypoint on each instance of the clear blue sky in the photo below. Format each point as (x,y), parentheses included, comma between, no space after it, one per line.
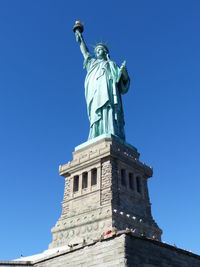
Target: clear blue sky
(43,111)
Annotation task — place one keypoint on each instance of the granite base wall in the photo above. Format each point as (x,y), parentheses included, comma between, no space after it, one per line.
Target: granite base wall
(149,253)
(121,250)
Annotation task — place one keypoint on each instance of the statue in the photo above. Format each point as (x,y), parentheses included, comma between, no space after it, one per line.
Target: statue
(104,83)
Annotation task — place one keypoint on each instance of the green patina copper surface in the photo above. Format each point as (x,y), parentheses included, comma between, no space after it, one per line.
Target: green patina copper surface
(104,83)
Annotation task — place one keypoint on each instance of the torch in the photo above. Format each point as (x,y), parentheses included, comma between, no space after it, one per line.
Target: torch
(78,27)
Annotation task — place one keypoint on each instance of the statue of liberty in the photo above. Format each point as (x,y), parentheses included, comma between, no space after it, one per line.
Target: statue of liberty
(104,83)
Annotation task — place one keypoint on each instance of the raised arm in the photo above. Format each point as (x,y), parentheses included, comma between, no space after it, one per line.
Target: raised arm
(83,46)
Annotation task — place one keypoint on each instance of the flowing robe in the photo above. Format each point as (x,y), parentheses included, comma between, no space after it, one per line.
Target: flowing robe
(104,85)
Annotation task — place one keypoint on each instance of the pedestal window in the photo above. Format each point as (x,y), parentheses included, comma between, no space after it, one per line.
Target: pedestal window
(138,184)
(85,180)
(76,183)
(123,177)
(93,176)
(131,180)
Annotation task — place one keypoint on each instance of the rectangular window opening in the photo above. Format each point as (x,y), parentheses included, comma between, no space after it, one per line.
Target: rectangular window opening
(94,177)
(85,180)
(76,183)
(123,177)
(131,181)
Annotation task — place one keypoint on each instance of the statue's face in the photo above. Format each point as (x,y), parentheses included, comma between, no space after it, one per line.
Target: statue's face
(100,52)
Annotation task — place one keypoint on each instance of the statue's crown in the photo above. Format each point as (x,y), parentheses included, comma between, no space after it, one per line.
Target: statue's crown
(102,45)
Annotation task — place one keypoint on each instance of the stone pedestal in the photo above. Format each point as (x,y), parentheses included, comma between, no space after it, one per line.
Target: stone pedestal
(105,190)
